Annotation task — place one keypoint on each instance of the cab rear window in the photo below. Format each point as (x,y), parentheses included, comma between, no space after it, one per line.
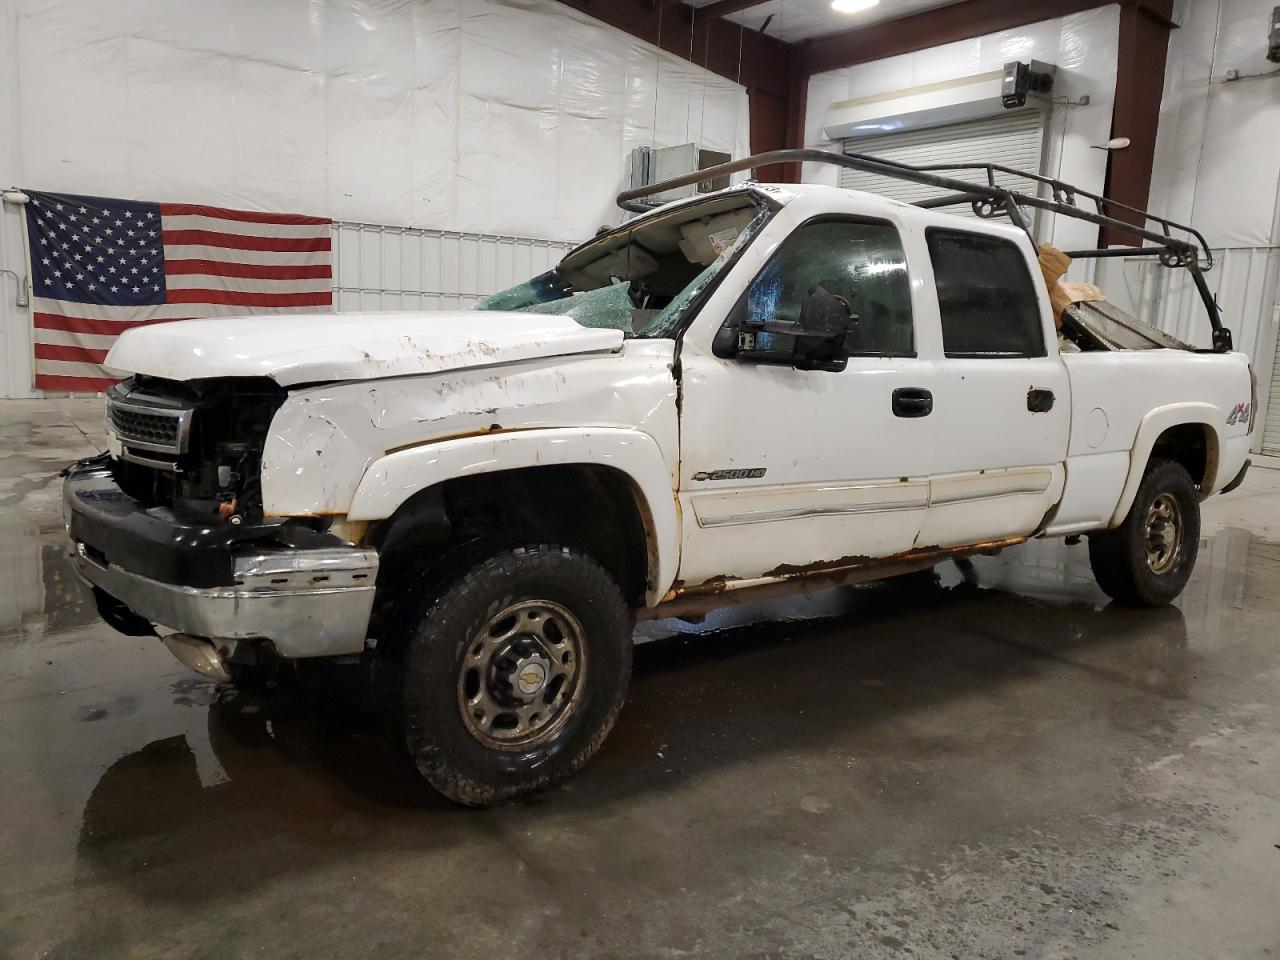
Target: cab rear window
(986,296)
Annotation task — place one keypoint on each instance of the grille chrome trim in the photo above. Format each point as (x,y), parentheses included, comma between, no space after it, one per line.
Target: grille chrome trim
(175,420)
(168,465)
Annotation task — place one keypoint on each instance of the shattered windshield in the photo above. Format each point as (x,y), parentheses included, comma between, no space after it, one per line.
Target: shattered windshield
(643,277)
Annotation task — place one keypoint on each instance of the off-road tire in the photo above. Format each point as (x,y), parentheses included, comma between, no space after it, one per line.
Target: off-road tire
(1119,557)
(436,639)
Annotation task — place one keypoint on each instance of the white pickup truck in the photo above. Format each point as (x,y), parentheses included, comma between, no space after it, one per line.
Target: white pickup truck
(748,392)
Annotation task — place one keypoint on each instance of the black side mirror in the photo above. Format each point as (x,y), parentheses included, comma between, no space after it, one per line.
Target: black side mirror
(824,314)
(826,319)
(819,334)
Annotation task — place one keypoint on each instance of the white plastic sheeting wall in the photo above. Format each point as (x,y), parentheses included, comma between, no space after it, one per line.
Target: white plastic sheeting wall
(1084,46)
(495,117)
(1217,161)
(1217,165)
(400,268)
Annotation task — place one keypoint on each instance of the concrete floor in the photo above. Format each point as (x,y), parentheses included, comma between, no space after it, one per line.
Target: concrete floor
(1003,767)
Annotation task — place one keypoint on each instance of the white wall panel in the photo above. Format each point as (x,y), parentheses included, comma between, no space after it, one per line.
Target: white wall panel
(486,117)
(489,116)
(1217,161)
(15,321)
(397,268)
(1217,166)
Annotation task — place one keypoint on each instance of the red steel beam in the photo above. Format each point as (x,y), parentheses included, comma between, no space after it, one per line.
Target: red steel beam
(1143,50)
(723,47)
(722,8)
(932,28)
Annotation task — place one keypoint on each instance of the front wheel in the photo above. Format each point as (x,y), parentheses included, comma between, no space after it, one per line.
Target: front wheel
(514,675)
(1147,560)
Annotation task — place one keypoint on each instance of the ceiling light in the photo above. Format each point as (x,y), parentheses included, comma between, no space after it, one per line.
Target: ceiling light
(853,6)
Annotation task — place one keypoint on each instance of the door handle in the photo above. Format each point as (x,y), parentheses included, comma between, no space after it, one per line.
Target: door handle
(912,402)
(1039,401)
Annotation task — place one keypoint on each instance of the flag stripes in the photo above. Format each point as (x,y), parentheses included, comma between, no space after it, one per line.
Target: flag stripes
(102,266)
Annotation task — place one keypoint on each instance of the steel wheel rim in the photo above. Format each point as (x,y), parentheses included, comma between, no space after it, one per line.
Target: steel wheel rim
(1163,533)
(522,675)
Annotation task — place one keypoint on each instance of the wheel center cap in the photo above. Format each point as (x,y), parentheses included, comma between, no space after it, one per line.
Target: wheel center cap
(531,676)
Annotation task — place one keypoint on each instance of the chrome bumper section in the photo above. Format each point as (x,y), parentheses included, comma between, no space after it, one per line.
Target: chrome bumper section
(308,603)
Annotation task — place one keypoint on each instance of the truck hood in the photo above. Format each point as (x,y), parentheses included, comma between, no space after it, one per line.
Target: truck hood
(294,348)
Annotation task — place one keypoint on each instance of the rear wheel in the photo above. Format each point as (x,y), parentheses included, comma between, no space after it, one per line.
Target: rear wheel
(515,673)
(1147,560)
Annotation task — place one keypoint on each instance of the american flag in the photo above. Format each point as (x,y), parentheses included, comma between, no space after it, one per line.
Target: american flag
(100,266)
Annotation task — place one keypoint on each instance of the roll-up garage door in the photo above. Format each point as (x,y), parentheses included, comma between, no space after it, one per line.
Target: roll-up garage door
(1271,426)
(1013,139)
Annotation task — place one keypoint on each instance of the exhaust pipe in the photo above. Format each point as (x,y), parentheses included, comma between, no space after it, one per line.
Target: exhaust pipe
(198,654)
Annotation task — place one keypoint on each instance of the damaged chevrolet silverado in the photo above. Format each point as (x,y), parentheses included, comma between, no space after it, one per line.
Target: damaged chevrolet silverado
(764,389)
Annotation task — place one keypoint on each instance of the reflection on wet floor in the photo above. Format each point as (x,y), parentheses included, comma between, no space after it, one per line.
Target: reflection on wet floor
(990,762)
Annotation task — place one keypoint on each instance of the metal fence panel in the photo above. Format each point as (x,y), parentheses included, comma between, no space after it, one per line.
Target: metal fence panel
(379,267)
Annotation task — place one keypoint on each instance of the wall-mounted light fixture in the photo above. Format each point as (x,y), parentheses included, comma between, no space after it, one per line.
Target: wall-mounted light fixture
(1115,143)
(853,6)
(1021,79)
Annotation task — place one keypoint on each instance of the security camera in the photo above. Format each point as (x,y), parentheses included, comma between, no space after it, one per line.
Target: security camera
(1019,80)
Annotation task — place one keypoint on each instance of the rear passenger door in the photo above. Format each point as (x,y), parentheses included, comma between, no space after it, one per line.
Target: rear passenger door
(1001,405)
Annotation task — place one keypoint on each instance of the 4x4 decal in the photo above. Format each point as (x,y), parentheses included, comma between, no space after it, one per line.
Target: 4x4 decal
(1239,415)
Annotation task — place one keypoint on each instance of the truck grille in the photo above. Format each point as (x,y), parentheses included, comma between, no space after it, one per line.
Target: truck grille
(161,429)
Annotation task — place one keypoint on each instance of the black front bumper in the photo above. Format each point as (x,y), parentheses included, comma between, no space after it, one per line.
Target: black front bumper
(158,542)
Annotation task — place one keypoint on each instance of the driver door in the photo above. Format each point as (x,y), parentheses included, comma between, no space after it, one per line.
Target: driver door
(782,468)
